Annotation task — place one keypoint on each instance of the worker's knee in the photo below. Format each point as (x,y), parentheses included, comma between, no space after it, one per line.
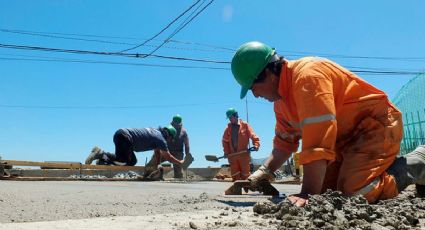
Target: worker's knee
(120,134)
(132,162)
(352,187)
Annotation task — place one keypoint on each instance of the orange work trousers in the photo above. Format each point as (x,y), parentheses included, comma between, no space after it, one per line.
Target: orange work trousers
(239,166)
(362,160)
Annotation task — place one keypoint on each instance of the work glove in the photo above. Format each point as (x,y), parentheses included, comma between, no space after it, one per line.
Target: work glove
(261,174)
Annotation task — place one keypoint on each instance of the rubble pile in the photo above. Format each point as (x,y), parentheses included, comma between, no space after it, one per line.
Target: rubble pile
(332,210)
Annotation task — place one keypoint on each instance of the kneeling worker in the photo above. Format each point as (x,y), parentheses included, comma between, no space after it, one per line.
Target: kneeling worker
(130,140)
(350,131)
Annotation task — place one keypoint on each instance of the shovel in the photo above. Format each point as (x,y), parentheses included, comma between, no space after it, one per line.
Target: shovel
(215,158)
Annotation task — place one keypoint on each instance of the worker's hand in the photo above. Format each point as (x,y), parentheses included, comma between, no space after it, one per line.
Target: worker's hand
(262,173)
(298,200)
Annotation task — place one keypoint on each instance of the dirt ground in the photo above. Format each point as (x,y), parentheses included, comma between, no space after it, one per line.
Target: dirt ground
(193,205)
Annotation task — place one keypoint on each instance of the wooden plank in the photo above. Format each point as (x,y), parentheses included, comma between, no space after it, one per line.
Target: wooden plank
(70,165)
(34,163)
(64,179)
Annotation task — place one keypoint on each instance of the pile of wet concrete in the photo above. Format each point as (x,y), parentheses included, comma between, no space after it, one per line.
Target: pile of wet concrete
(333,210)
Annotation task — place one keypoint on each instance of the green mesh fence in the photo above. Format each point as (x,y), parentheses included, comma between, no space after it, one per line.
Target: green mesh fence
(411,101)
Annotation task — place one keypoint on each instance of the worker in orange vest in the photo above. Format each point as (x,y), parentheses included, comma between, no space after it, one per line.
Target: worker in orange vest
(350,131)
(236,140)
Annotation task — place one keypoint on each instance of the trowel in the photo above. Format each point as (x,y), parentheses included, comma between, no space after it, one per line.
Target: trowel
(188,159)
(264,187)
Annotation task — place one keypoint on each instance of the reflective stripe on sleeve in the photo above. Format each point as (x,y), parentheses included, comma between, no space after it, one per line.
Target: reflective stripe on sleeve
(288,136)
(294,124)
(318,119)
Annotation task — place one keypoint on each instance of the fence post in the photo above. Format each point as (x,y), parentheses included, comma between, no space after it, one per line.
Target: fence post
(408,134)
(415,136)
(421,133)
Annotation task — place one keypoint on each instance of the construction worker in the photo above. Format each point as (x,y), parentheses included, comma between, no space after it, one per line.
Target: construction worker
(350,131)
(236,139)
(175,145)
(128,141)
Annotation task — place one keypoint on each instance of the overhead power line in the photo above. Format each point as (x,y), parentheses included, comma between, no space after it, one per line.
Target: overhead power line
(73,36)
(133,55)
(179,29)
(166,27)
(340,56)
(359,70)
(109,62)
(53,35)
(286,53)
(385,72)
(111,106)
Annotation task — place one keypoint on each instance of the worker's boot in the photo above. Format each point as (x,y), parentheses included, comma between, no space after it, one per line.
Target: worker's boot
(102,157)
(410,169)
(95,154)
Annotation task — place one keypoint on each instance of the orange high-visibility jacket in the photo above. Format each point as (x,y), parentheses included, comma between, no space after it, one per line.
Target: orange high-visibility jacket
(321,104)
(245,133)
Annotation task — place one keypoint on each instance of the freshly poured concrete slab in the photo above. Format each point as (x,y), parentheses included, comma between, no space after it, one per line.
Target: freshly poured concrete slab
(34,201)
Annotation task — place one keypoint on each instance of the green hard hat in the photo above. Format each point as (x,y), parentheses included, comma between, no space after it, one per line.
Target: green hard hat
(177,119)
(249,60)
(171,130)
(230,112)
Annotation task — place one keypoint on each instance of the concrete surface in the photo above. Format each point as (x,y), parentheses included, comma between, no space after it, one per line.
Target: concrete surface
(125,205)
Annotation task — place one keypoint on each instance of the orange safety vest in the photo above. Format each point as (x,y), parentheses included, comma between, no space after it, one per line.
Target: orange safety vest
(245,133)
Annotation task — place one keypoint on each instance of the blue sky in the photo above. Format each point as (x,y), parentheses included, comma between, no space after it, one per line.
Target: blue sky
(58,110)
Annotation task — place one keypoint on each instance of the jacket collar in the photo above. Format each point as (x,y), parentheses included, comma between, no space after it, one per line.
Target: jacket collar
(285,79)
